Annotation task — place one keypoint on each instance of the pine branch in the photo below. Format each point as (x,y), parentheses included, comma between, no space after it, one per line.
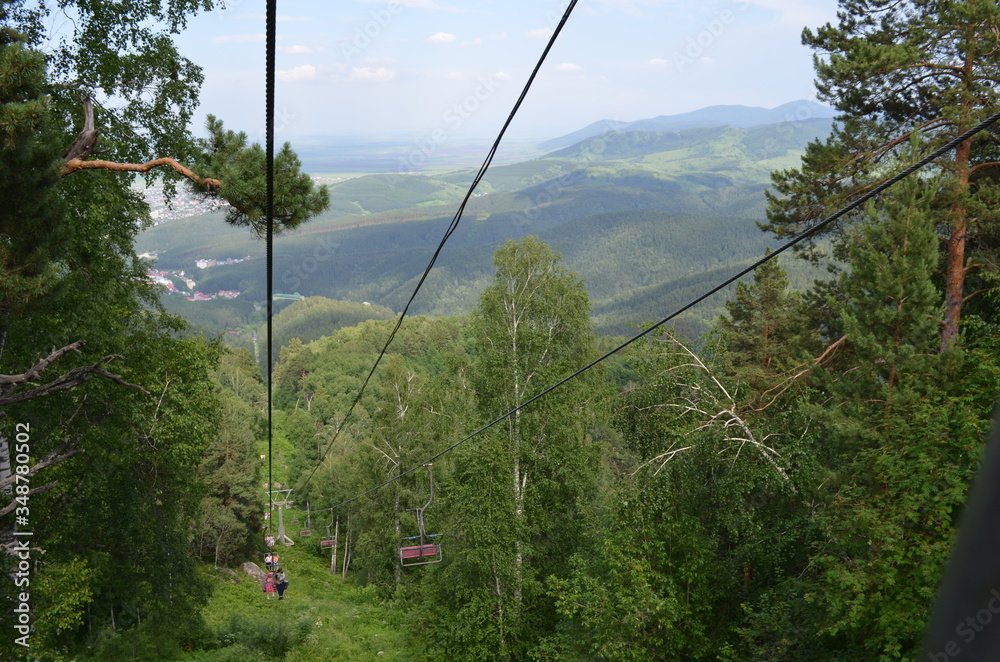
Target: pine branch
(210,185)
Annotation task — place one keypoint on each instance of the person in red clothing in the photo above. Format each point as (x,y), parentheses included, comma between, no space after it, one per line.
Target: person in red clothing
(269,585)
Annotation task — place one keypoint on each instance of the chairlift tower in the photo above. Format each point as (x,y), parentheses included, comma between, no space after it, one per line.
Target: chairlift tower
(281,501)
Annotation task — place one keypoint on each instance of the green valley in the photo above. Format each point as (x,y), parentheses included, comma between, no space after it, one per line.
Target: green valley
(646,219)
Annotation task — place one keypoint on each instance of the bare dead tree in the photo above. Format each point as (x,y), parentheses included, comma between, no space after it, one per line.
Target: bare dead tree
(714,407)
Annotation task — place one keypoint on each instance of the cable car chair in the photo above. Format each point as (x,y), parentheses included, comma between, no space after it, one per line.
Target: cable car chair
(330,539)
(426,551)
(308,530)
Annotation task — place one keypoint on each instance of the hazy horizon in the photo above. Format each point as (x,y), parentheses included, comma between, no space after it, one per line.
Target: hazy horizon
(450,71)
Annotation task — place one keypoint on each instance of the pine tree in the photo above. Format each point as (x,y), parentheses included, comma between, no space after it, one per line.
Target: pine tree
(763,333)
(31,209)
(887,419)
(892,69)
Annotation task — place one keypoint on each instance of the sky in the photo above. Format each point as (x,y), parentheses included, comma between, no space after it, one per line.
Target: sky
(443,70)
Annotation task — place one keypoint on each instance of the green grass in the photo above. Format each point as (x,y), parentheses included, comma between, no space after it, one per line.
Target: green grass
(323,617)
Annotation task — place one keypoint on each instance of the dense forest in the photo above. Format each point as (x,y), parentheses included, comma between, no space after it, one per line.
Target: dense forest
(782,482)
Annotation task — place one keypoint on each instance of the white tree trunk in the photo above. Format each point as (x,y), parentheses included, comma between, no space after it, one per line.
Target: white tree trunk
(8,491)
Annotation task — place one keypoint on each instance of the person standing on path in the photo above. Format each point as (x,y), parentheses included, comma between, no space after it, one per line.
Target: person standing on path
(281,583)
(269,585)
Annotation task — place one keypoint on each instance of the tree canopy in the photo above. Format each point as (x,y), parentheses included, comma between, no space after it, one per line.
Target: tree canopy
(893,69)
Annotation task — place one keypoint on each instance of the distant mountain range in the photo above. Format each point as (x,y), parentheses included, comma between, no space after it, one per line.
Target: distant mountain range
(648,218)
(712,116)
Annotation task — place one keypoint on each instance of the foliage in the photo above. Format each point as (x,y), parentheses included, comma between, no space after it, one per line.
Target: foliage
(230,509)
(895,70)
(704,519)
(242,170)
(29,177)
(530,328)
(765,333)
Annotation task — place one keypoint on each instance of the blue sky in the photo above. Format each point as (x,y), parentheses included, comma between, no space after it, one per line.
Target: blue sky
(402,69)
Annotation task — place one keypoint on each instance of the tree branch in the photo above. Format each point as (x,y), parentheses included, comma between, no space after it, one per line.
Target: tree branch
(72,165)
(981,166)
(63,452)
(35,372)
(802,370)
(71,379)
(37,490)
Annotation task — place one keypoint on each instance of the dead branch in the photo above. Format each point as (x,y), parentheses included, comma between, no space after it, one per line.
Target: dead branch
(63,452)
(72,165)
(802,369)
(71,379)
(36,490)
(87,140)
(726,416)
(35,371)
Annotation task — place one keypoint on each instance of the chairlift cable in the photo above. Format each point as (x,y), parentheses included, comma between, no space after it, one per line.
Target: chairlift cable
(791,243)
(451,229)
(271,20)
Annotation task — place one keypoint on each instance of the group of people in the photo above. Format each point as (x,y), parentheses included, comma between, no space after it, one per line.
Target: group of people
(276,580)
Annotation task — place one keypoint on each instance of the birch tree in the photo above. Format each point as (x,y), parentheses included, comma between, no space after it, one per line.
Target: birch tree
(520,490)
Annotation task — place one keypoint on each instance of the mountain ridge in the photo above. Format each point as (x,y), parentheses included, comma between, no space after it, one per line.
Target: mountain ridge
(739,116)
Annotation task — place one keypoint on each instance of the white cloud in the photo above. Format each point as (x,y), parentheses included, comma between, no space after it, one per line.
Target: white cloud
(367,74)
(568,66)
(235,38)
(475,42)
(441,38)
(658,62)
(381,60)
(501,75)
(500,35)
(299,50)
(540,33)
(296,74)
(706,60)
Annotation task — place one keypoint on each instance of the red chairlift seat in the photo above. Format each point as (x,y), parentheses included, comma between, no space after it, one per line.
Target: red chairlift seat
(425,552)
(305,532)
(327,543)
(419,554)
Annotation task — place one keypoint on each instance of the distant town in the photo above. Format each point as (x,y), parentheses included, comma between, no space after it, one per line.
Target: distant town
(180,284)
(184,204)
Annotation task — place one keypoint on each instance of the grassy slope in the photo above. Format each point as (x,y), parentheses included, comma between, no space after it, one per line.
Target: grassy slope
(323,617)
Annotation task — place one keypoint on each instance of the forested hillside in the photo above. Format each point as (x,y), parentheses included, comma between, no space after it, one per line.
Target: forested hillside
(637,215)
(778,476)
